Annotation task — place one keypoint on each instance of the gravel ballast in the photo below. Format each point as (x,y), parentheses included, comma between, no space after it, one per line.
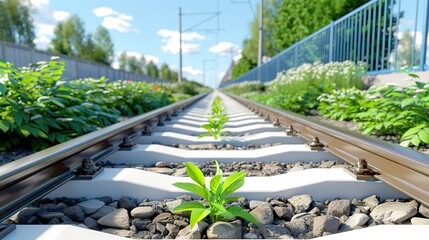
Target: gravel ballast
(295,217)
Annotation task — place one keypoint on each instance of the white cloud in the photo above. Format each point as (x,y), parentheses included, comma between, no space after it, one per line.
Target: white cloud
(104,11)
(221,74)
(42,42)
(125,17)
(171,40)
(115,23)
(225,49)
(114,20)
(38,3)
(191,71)
(44,29)
(60,15)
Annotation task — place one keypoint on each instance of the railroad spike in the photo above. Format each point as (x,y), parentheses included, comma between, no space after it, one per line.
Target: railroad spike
(161,122)
(261,114)
(290,131)
(267,117)
(276,122)
(167,118)
(126,144)
(147,130)
(361,171)
(175,113)
(315,144)
(88,170)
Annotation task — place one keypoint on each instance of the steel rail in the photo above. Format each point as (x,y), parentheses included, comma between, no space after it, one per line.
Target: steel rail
(404,169)
(26,179)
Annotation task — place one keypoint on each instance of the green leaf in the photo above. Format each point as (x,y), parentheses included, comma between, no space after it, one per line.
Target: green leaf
(188,206)
(424,136)
(219,207)
(407,102)
(232,183)
(204,135)
(239,212)
(19,117)
(413,131)
(191,187)
(415,140)
(3,89)
(230,199)
(218,170)
(405,143)
(215,182)
(198,215)
(4,126)
(195,174)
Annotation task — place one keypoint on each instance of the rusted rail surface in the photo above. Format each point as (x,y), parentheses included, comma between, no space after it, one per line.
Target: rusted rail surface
(404,169)
(28,178)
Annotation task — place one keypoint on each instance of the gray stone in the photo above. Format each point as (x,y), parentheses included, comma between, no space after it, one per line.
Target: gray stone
(180,223)
(224,230)
(163,218)
(297,227)
(76,213)
(66,219)
(168,171)
(164,165)
(327,164)
(356,220)
(339,208)
(275,232)
(91,223)
(142,212)
(50,215)
(103,211)
(301,203)
(107,199)
(128,203)
(307,217)
(60,207)
(285,213)
(24,215)
(54,221)
(113,204)
(118,232)
(254,204)
(263,213)
(296,168)
(277,203)
(140,224)
(395,212)
(325,223)
(161,229)
(48,207)
(315,211)
(371,202)
(423,210)
(170,205)
(194,233)
(250,236)
(173,230)
(91,206)
(181,172)
(116,219)
(419,221)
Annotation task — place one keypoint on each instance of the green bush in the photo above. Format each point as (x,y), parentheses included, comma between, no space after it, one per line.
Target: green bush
(37,109)
(245,88)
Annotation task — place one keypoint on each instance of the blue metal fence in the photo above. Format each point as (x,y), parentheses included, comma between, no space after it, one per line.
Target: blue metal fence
(75,68)
(384,34)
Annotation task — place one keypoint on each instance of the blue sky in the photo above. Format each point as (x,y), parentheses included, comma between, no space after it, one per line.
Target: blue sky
(150,27)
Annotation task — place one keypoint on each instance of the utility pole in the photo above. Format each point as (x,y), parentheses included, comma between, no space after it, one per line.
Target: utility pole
(180,45)
(261,23)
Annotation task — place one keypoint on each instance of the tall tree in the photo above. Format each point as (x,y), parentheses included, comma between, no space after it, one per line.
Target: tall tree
(69,37)
(103,51)
(123,61)
(165,72)
(296,19)
(152,69)
(16,23)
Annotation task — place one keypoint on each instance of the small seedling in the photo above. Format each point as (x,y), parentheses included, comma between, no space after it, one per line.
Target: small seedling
(216,195)
(215,127)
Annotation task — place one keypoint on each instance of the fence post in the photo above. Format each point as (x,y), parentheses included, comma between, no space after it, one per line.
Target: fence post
(331,41)
(424,39)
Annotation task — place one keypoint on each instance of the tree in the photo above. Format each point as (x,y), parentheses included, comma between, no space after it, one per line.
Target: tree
(123,61)
(16,24)
(242,66)
(165,72)
(296,19)
(103,51)
(152,69)
(69,37)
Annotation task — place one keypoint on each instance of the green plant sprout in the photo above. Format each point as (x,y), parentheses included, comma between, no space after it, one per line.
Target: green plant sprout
(216,195)
(217,109)
(215,127)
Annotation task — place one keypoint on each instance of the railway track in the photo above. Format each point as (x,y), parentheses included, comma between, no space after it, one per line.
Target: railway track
(306,180)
